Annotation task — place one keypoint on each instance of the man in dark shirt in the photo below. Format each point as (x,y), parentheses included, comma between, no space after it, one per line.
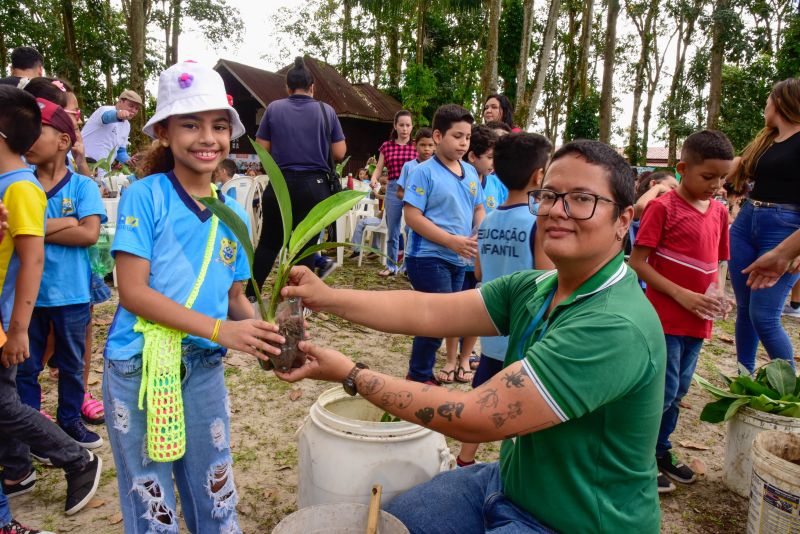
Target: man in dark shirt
(26,63)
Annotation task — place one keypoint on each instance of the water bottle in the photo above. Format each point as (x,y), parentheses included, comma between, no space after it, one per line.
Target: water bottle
(350,181)
(469,262)
(716,290)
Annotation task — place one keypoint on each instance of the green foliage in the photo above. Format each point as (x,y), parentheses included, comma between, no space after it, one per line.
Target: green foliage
(510,39)
(583,121)
(787,61)
(775,389)
(322,215)
(744,94)
(419,89)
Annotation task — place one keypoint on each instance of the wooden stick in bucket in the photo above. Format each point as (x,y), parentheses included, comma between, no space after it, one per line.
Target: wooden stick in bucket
(374,509)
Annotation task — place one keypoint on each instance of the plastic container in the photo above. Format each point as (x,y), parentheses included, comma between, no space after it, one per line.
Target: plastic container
(775,487)
(348,518)
(291,326)
(742,431)
(344,449)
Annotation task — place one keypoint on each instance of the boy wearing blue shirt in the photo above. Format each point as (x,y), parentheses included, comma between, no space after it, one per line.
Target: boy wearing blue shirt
(443,201)
(506,241)
(74,214)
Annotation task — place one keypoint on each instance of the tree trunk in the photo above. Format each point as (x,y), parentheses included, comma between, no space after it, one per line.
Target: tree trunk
(543,60)
(395,60)
(346,28)
(521,104)
(606,96)
(715,69)
(654,68)
(3,52)
(645,38)
(586,42)
(421,10)
(685,38)
(571,53)
(137,13)
(176,32)
(74,62)
(377,54)
(489,72)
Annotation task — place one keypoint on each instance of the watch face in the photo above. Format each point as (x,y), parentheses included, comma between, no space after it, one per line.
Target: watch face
(349,386)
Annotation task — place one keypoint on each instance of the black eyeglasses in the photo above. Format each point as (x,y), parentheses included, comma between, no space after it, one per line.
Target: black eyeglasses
(578,205)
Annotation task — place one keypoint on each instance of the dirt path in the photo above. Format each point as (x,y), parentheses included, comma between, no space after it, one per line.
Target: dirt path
(265,419)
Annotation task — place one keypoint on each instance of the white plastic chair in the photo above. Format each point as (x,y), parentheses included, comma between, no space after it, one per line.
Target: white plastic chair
(242,185)
(382,230)
(364,209)
(254,208)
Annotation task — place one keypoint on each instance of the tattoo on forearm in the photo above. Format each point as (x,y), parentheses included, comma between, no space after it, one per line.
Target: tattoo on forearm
(488,399)
(372,385)
(425,415)
(514,411)
(449,409)
(514,380)
(401,399)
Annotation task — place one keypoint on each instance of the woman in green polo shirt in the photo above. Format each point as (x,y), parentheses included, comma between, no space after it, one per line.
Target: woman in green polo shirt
(580,399)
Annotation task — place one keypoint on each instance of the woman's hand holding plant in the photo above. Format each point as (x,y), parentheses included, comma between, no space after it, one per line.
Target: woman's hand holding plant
(321,364)
(303,283)
(251,336)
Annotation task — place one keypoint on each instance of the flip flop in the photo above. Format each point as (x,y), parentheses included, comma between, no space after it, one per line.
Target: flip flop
(448,376)
(92,410)
(386,273)
(464,375)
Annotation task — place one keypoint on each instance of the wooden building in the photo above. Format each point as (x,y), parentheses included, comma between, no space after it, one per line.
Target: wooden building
(366,113)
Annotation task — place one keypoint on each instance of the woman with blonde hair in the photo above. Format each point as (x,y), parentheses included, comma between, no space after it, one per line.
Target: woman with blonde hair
(771,162)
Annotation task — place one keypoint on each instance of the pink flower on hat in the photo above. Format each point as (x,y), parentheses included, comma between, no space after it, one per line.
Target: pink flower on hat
(230,100)
(185,80)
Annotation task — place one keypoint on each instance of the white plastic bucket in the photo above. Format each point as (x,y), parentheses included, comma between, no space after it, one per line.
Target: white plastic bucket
(775,488)
(742,430)
(343,518)
(343,450)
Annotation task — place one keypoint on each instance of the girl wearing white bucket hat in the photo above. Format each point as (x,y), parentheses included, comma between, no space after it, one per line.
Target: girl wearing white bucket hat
(181,305)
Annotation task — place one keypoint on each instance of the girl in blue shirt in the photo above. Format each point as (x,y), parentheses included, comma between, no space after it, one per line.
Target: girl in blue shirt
(179,268)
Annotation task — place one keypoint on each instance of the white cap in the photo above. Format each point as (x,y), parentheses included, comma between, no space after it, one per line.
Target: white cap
(189,87)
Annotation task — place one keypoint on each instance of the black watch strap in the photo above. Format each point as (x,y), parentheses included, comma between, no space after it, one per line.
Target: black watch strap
(349,383)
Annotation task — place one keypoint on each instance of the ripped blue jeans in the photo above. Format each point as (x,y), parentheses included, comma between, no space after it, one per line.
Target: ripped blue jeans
(204,475)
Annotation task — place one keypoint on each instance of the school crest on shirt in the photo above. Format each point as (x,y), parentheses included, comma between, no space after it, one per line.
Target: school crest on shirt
(67,207)
(418,190)
(227,251)
(491,203)
(473,189)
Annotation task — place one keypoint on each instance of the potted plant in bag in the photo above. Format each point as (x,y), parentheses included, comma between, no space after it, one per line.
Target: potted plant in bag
(289,317)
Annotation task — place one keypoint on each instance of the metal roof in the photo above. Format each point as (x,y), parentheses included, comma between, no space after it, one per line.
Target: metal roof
(361,101)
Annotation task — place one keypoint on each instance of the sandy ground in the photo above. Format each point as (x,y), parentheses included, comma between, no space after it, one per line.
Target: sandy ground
(266,413)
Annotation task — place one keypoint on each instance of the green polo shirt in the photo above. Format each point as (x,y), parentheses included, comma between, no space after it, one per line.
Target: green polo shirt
(599,363)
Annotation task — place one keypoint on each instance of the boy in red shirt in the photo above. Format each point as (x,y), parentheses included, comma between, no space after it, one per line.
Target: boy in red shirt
(682,238)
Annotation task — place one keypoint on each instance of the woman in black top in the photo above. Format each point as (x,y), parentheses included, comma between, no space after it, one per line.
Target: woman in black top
(770,214)
(294,132)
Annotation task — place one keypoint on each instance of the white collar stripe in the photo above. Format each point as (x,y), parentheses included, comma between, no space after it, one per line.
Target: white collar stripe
(616,277)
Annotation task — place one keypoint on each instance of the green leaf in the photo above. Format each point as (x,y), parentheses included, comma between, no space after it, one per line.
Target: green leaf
(714,390)
(278,184)
(743,371)
(320,216)
(754,388)
(734,407)
(235,224)
(714,412)
(340,167)
(762,403)
(781,376)
(791,411)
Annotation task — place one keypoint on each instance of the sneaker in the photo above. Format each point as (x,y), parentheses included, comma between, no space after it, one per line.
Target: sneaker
(41,458)
(16,528)
(81,486)
(85,437)
(329,267)
(20,488)
(665,485)
(790,312)
(677,471)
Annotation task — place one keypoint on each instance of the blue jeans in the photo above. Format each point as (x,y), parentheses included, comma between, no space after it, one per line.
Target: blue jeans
(359,233)
(755,232)
(469,499)
(682,353)
(430,275)
(5,511)
(69,328)
(394,213)
(204,475)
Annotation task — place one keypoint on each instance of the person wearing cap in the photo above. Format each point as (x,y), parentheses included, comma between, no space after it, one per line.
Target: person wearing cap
(179,270)
(74,214)
(106,131)
(26,63)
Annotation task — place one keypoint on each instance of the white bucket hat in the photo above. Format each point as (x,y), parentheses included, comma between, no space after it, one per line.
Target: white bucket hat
(189,87)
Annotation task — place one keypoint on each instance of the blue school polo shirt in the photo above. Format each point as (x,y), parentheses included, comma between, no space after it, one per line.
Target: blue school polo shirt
(505,246)
(160,222)
(67,271)
(496,192)
(408,166)
(447,200)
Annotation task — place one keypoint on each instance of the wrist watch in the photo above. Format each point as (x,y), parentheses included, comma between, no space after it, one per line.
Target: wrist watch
(349,383)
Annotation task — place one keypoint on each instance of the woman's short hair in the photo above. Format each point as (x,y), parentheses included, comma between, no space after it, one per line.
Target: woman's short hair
(299,77)
(620,174)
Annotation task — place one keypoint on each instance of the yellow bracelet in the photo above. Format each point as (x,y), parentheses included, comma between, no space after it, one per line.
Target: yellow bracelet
(216,330)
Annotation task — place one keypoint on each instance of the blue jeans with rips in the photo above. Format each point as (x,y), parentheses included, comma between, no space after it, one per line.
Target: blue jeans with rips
(430,275)
(204,475)
(69,329)
(682,353)
(755,232)
(468,499)
(394,214)
(5,511)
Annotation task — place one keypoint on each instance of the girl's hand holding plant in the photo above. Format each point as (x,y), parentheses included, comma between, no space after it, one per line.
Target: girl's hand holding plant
(253,336)
(303,283)
(321,364)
